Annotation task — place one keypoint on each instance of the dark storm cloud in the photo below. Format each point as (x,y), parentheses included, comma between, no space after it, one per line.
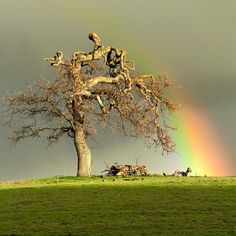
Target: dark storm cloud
(192,39)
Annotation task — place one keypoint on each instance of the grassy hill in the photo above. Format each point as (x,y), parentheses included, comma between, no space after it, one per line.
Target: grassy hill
(97,206)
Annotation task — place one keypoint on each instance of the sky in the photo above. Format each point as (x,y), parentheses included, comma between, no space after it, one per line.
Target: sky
(192,40)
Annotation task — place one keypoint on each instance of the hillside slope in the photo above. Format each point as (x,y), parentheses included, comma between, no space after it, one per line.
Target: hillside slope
(100,206)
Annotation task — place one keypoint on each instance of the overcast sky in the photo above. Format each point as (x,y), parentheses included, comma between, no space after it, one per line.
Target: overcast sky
(193,40)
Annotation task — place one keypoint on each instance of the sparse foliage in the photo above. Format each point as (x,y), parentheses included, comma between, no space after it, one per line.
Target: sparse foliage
(99,87)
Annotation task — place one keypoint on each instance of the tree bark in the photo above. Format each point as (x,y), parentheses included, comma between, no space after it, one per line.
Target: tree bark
(83,152)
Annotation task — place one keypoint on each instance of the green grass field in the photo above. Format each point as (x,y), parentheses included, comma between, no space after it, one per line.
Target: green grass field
(152,206)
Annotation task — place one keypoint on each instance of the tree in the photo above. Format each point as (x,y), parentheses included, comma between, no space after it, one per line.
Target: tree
(99,87)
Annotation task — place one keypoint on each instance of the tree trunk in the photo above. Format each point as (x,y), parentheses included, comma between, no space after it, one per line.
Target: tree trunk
(83,152)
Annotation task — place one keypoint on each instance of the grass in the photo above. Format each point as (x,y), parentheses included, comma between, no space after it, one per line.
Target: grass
(152,206)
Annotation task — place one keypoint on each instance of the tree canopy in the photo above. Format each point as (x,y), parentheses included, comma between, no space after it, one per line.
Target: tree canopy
(98,87)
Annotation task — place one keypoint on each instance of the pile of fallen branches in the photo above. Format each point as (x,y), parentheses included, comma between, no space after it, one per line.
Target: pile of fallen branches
(125,170)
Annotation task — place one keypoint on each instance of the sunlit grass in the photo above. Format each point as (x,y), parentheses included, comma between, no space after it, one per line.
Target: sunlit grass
(98,206)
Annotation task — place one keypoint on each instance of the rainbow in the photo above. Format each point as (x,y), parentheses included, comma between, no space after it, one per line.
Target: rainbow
(199,146)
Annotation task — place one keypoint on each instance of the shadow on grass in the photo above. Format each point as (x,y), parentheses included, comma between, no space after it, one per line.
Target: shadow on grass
(119,209)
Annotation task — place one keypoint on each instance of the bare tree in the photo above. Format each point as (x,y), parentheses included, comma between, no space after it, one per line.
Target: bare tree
(99,87)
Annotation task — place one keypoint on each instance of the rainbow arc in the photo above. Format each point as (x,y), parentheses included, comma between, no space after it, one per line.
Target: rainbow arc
(200,145)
